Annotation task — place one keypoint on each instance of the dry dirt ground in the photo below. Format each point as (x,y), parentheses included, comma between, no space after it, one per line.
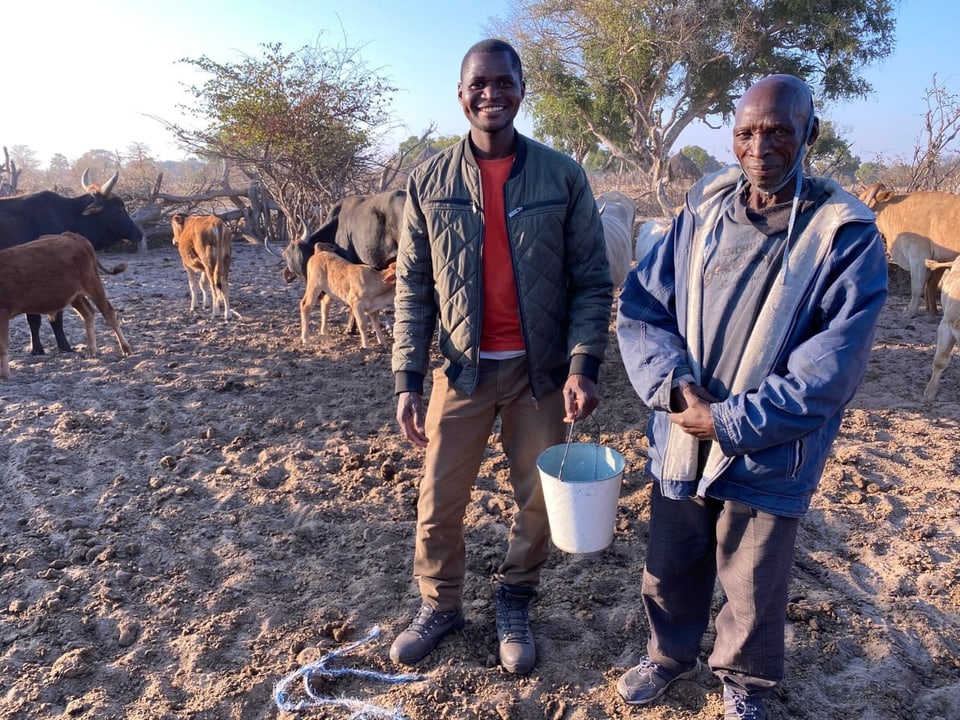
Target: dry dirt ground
(185,527)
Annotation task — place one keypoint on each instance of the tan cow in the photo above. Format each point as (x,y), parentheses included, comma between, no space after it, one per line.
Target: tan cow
(44,276)
(204,245)
(917,227)
(948,332)
(365,290)
(616,213)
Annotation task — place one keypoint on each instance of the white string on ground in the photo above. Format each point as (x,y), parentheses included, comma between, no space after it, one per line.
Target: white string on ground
(361,710)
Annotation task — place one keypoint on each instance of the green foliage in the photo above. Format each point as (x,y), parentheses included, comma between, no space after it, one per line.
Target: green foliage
(303,123)
(705,162)
(830,155)
(631,76)
(868,173)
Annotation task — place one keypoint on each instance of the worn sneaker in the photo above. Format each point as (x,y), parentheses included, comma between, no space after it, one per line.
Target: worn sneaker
(518,654)
(737,706)
(424,633)
(647,681)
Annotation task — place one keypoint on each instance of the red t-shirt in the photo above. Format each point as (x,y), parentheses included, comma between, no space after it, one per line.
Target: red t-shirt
(500,326)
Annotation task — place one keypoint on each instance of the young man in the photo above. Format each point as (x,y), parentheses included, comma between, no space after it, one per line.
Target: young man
(501,246)
(746,331)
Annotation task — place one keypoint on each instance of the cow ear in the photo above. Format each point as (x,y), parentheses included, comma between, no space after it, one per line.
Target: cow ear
(885,196)
(92,209)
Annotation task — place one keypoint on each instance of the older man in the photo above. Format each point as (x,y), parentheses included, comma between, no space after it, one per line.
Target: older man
(747,332)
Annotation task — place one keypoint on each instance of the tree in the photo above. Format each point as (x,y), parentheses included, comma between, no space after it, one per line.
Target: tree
(705,162)
(631,76)
(830,155)
(301,124)
(932,164)
(61,177)
(868,173)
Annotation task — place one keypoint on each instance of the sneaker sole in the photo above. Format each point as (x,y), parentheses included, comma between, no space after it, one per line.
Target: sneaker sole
(688,675)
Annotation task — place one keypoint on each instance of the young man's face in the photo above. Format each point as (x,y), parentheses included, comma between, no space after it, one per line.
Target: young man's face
(490,91)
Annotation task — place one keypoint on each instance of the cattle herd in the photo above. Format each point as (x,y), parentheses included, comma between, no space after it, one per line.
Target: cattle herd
(352,257)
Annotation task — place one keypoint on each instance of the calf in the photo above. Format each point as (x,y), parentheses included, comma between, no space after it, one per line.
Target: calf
(44,276)
(204,245)
(948,332)
(365,290)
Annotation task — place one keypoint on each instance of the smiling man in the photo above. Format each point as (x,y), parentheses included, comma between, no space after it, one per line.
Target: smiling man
(747,331)
(502,246)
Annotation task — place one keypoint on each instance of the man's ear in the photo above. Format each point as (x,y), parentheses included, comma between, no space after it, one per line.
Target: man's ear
(814,132)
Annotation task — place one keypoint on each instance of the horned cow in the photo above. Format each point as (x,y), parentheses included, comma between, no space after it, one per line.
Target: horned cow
(917,227)
(44,276)
(98,215)
(948,332)
(365,290)
(363,229)
(204,245)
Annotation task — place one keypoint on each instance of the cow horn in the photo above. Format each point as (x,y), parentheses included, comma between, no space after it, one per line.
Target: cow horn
(266,246)
(305,233)
(602,207)
(85,180)
(877,187)
(108,185)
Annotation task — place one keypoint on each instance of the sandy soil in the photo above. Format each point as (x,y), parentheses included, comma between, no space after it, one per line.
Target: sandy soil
(183,528)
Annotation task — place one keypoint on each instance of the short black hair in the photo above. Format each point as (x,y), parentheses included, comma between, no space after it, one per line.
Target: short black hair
(491,45)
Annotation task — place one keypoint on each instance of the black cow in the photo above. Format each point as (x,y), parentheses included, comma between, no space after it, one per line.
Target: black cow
(364,229)
(97,215)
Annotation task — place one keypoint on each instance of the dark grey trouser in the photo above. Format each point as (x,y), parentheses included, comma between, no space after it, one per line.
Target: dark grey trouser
(694,542)
(458,429)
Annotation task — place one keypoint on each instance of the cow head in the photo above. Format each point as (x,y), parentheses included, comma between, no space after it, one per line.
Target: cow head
(299,250)
(875,195)
(105,220)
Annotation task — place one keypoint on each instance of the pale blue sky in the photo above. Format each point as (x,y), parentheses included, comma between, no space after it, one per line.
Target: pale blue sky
(84,75)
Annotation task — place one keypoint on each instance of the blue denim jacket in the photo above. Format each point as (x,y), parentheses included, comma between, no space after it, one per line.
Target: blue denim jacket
(775,437)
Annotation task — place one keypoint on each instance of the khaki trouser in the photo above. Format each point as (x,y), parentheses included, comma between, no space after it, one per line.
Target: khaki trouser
(458,427)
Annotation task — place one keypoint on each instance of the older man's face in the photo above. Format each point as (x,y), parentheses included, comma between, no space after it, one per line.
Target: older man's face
(768,133)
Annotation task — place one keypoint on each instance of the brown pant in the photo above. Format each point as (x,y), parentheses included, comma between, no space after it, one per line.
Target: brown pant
(458,427)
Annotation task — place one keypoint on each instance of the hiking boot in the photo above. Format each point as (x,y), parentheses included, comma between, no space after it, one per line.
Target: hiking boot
(424,633)
(647,681)
(518,654)
(737,706)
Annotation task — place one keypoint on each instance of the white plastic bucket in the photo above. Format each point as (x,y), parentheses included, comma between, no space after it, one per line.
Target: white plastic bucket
(581,497)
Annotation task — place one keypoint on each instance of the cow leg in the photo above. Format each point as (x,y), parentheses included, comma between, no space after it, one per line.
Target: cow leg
(56,324)
(361,324)
(110,315)
(36,347)
(4,347)
(918,281)
(222,275)
(307,302)
(947,336)
(324,312)
(83,306)
(374,316)
(932,288)
(192,282)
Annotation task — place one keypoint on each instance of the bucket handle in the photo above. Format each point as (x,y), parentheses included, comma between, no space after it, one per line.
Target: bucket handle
(570,440)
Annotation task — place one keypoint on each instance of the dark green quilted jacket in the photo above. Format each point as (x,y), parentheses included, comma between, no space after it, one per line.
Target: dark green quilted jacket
(560,268)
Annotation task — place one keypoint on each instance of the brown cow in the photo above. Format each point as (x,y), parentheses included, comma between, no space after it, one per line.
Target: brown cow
(365,290)
(44,276)
(204,245)
(916,227)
